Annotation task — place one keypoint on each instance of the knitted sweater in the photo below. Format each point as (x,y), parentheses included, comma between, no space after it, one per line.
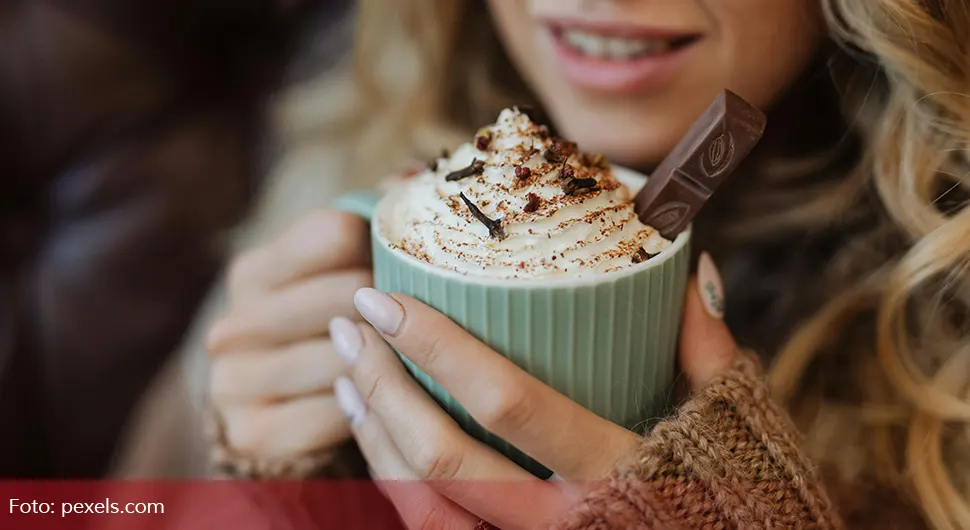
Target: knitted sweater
(728,459)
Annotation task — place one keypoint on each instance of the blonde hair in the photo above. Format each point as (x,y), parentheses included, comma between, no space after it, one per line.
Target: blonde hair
(914,405)
(427,72)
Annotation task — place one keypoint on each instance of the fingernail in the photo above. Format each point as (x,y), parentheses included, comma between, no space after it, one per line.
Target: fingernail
(346,339)
(710,287)
(382,311)
(349,400)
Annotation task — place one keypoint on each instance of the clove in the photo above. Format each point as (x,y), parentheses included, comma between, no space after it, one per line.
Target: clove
(495,229)
(475,168)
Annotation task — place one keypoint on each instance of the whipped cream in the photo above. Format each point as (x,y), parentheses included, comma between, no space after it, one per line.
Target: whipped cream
(519,204)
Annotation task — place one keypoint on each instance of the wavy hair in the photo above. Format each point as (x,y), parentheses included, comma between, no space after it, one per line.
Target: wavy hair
(877,371)
(912,370)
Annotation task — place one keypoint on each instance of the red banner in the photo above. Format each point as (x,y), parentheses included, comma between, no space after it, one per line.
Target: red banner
(216,505)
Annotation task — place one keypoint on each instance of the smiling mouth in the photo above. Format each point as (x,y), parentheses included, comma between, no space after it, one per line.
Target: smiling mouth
(604,46)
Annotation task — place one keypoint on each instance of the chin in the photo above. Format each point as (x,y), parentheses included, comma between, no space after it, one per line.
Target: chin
(635,134)
(640,147)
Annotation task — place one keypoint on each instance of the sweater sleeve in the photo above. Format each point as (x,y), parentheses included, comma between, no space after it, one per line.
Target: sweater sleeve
(729,458)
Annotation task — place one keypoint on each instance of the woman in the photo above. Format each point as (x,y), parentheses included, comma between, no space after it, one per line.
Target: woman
(842,244)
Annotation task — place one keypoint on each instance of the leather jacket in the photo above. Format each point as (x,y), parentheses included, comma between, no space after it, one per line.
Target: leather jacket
(131,139)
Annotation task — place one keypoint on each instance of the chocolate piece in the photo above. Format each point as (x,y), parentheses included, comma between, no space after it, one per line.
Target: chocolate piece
(475,168)
(566,147)
(494,226)
(595,160)
(560,150)
(543,132)
(574,185)
(567,172)
(640,256)
(523,172)
(534,202)
(710,151)
(552,156)
(482,141)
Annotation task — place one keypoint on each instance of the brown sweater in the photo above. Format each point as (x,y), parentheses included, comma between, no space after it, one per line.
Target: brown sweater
(730,458)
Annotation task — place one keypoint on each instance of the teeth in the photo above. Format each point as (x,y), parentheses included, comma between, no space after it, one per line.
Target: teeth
(593,45)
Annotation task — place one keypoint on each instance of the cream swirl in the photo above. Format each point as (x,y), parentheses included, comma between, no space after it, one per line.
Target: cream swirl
(555,212)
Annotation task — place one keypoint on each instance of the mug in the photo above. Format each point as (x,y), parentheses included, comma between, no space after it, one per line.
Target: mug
(605,340)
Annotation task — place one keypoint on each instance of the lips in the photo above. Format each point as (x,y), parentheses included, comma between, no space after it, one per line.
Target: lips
(618,58)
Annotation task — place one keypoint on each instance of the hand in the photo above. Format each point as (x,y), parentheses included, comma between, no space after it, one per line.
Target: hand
(273,364)
(405,435)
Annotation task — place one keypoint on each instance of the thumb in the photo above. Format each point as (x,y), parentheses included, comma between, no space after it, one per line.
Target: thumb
(706,344)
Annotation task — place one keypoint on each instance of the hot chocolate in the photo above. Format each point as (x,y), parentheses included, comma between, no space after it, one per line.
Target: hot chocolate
(517,203)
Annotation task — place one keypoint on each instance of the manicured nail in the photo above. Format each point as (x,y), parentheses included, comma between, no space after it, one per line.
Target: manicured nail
(710,287)
(349,400)
(346,339)
(382,311)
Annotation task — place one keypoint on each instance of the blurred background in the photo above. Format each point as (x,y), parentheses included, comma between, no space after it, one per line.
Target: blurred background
(134,137)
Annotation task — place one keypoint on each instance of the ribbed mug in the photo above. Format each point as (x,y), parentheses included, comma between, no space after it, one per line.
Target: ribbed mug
(606,340)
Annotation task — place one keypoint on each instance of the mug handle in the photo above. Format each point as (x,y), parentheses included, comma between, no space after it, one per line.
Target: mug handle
(361,203)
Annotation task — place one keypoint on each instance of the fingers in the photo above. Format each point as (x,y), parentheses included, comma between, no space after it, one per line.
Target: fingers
(294,313)
(323,241)
(432,444)
(706,344)
(264,377)
(272,367)
(285,429)
(416,502)
(501,397)
(431,441)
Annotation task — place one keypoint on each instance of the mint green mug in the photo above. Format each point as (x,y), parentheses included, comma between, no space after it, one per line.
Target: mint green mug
(607,341)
